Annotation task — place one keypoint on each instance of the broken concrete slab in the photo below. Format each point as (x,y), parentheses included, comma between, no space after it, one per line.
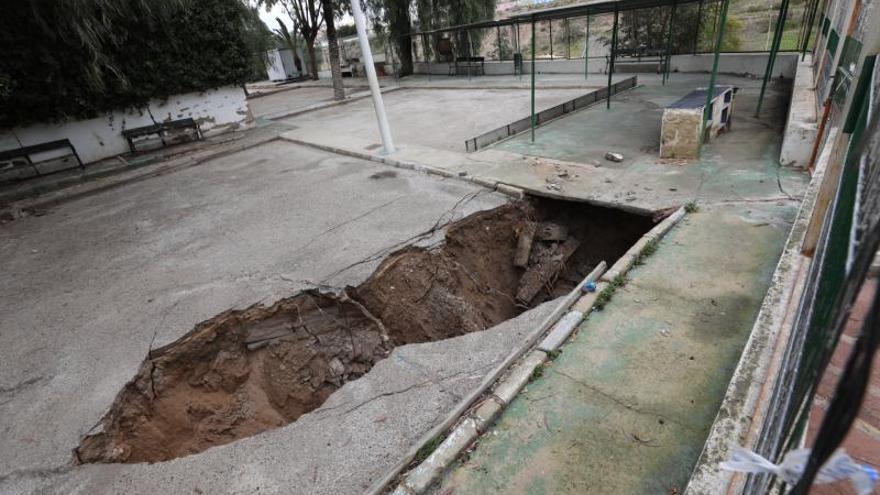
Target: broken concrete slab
(132,268)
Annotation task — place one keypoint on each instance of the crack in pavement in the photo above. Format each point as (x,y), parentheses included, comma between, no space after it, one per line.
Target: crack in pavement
(430,381)
(346,222)
(440,223)
(621,403)
(9,393)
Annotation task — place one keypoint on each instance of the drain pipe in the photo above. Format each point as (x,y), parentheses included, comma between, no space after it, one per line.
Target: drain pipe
(370,69)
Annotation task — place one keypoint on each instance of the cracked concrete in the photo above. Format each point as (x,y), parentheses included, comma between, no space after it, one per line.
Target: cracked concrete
(89,287)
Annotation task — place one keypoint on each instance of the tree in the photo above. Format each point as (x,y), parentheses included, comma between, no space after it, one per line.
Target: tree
(259,39)
(434,14)
(333,49)
(307,18)
(76,59)
(290,40)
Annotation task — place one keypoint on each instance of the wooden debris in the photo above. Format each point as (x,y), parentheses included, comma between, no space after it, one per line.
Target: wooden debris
(545,270)
(524,245)
(549,231)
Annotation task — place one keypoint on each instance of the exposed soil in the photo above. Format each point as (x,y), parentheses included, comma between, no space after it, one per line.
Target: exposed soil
(244,372)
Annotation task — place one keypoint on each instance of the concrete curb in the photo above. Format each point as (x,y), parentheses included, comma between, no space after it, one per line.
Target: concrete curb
(19,209)
(500,187)
(565,319)
(625,262)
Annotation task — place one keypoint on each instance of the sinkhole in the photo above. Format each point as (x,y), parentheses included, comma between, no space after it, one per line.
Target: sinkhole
(243,372)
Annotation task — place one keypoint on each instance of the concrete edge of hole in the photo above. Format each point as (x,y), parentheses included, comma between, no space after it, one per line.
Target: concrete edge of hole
(564,320)
(626,262)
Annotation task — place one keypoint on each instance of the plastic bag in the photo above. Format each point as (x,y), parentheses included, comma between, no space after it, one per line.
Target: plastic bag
(839,467)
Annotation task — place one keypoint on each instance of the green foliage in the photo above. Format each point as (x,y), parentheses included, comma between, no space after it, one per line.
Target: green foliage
(649,249)
(607,293)
(74,59)
(538,372)
(429,447)
(691,207)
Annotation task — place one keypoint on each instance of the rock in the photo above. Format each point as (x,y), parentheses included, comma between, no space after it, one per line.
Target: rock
(613,157)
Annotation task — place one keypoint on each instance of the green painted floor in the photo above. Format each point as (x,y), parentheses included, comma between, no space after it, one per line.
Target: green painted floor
(627,405)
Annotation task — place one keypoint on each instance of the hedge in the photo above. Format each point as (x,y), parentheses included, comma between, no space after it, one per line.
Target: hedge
(62,64)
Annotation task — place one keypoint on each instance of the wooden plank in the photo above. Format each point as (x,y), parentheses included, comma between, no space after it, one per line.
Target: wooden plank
(524,245)
(546,270)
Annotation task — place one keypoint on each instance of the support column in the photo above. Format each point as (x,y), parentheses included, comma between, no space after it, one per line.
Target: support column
(427,52)
(370,68)
(613,54)
(498,39)
(699,24)
(711,89)
(587,50)
(532,120)
(669,43)
(774,49)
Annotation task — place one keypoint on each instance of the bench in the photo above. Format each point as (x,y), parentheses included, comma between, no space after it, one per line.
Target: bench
(635,56)
(162,134)
(471,66)
(683,121)
(37,160)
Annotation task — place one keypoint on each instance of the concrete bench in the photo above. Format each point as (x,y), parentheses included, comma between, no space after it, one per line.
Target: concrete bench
(162,134)
(683,120)
(638,56)
(37,160)
(469,65)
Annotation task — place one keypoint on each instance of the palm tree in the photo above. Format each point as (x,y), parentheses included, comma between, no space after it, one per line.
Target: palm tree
(333,48)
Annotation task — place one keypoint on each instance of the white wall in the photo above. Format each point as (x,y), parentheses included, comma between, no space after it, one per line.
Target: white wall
(752,64)
(215,110)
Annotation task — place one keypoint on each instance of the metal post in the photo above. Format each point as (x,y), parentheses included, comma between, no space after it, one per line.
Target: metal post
(699,24)
(567,26)
(711,89)
(587,50)
(370,68)
(611,60)
(550,25)
(519,50)
(532,120)
(774,49)
(669,43)
(809,33)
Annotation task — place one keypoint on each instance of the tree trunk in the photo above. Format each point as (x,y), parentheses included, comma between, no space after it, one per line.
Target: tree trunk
(313,62)
(400,27)
(333,49)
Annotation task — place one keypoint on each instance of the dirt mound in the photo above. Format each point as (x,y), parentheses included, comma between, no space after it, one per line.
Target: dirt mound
(244,372)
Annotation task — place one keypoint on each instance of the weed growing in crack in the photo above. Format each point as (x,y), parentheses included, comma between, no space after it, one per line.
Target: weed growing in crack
(429,447)
(649,249)
(554,354)
(691,207)
(538,372)
(608,292)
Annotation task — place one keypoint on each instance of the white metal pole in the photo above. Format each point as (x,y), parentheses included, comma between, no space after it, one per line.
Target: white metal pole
(367,55)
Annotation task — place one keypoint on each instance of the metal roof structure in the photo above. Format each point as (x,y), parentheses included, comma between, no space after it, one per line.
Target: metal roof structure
(577,10)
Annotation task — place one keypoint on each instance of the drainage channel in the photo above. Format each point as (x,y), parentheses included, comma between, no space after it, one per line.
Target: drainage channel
(247,371)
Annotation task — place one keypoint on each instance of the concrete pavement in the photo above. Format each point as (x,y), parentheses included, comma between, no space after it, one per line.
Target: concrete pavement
(94,284)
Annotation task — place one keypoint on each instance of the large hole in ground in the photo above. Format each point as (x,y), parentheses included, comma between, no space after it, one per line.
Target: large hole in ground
(244,372)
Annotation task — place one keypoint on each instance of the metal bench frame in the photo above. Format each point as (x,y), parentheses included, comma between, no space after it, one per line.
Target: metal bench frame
(161,129)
